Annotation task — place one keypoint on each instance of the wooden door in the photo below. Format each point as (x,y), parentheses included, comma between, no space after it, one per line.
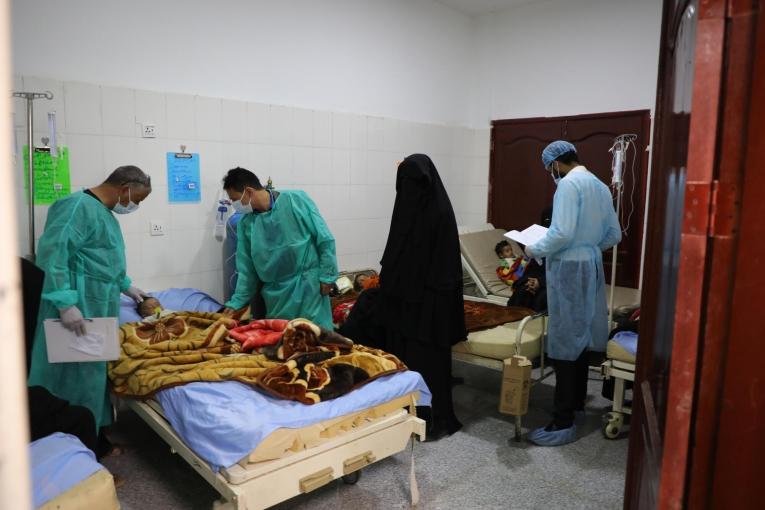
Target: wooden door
(668,176)
(593,136)
(682,402)
(731,470)
(520,188)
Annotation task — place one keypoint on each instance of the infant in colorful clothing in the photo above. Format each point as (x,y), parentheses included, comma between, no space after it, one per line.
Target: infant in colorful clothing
(510,268)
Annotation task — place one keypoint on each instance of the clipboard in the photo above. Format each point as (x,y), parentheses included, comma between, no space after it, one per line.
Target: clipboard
(101,343)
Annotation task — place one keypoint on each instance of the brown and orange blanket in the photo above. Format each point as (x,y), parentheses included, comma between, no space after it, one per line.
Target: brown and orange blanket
(307,364)
(479,315)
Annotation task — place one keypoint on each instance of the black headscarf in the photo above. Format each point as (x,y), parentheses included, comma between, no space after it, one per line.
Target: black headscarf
(421,276)
(423,245)
(417,313)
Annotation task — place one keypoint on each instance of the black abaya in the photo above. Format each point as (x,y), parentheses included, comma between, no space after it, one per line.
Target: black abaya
(418,314)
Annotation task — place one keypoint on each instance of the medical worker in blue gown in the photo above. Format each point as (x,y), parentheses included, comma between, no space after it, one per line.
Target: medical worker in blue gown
(584,224)
(82,254)
(284,250)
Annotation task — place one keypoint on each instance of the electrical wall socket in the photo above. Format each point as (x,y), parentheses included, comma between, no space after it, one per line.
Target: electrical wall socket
(157,228)
(149,130)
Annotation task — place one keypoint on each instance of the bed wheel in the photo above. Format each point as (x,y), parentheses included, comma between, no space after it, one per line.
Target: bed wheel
(352,478)
(613,425)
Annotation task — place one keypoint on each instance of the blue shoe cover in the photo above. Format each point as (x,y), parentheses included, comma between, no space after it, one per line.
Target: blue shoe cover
(542,437)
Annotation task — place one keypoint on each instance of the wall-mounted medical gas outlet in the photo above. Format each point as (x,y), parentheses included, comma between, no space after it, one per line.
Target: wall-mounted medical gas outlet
(157,228)
(149,130)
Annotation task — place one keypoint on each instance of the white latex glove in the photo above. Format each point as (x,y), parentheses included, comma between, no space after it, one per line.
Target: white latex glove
(72,319)
(136,294)
(528,252)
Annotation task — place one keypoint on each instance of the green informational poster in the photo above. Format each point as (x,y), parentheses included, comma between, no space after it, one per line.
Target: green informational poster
(51,175)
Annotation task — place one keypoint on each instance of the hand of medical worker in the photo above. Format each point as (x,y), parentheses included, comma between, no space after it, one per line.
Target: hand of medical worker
(528,252)
(72,319)
(326,288)
(228,312)
(136,294)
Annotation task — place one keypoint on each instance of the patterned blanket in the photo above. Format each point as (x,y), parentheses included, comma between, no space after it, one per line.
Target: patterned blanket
(307,364)
(479,315)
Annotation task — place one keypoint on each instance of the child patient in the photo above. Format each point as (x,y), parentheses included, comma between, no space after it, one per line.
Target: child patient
(510,268)
(365,281)
(526,276)
(150,307)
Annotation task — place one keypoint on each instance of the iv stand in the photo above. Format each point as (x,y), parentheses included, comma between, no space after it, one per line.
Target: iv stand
(30,97)
(620,142)
(613,263)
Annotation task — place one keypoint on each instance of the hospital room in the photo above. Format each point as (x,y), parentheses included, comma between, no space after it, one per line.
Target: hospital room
(382,254)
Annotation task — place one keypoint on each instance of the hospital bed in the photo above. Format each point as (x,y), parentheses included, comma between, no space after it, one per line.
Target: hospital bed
(489,348)
(66,476)
(620,365)
(257,450)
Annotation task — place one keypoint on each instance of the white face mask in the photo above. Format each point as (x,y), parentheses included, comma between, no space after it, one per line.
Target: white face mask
(125,209)
(240,207)
(554,169)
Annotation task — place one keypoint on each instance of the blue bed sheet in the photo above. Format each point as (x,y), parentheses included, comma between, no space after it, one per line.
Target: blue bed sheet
(224,421)
(59,462)
(171,299)
(628,340)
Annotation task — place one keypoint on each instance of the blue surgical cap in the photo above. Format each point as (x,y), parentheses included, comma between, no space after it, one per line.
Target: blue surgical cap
(555,150)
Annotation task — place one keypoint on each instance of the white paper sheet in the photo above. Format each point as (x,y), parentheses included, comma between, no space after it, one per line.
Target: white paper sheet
(91,344)
(528,236)
(100,343)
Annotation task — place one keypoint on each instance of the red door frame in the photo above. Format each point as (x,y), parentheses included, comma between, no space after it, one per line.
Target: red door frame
(710,33)
(698,400)
(740,444)
(724,244)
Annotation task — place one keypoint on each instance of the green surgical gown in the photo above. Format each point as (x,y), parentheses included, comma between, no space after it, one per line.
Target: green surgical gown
(286,252)
(82,253)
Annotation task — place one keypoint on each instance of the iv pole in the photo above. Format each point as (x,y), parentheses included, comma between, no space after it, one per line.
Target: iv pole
(619,154)
(30,97)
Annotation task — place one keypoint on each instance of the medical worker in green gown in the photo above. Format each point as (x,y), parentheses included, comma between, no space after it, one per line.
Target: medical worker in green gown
(284,249)
(82,253)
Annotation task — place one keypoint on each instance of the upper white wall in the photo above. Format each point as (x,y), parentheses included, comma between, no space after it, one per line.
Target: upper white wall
(402,59)
(566,57)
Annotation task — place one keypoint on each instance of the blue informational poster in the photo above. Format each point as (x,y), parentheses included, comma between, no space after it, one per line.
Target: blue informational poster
(183,184)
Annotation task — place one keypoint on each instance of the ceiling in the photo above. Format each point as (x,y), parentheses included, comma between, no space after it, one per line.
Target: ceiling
(480,7)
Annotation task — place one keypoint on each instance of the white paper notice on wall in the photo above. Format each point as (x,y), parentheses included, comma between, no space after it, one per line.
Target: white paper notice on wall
(100,343)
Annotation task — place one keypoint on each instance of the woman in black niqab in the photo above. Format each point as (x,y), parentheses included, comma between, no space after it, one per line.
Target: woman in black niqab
(417,313)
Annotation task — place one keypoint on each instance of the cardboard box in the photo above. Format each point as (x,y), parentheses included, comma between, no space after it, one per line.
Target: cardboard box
(516,380)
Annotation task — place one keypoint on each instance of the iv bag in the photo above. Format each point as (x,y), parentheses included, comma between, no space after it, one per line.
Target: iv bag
(616,167)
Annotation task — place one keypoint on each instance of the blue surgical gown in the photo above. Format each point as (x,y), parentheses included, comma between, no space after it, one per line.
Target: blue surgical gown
(287,252)
(82,253)
(584,224)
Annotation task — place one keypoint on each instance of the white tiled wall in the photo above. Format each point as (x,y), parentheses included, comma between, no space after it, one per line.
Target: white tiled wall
(345,162)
